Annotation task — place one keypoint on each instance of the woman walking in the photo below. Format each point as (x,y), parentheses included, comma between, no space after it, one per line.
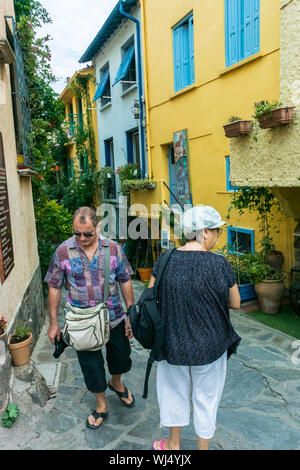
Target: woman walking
(195,294)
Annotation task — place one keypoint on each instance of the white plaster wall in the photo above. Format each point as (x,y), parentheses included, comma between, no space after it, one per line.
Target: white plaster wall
(117,118)
(20,200)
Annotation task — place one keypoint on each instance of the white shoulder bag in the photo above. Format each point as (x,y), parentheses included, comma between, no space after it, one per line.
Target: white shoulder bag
(87,329)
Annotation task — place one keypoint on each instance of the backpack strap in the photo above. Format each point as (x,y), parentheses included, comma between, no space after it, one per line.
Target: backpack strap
(162,266)
(156,347)
(107,272)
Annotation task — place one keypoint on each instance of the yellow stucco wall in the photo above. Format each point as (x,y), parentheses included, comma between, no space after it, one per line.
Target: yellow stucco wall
(205,106)
(26,258)
(68,97)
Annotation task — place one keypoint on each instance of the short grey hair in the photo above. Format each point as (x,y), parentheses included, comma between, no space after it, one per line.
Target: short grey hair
(197,235)
(86,213)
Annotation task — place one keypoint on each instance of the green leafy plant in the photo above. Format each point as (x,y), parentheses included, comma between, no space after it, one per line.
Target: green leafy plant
(137,185)
(233,119)
(262,107)
(22,332)
(10,415)
(237,263)
(258,270)
(262,201)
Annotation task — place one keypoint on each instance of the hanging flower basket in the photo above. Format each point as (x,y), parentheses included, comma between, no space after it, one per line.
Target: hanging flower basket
(276,117)
(237,128)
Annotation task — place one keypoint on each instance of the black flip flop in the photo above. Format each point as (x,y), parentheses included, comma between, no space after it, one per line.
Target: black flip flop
(96,415)
(122,395)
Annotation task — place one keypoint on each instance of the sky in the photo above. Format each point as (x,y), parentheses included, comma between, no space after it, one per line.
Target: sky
(73,28)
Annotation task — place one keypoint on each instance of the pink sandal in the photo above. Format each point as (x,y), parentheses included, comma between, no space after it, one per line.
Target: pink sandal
(162,447)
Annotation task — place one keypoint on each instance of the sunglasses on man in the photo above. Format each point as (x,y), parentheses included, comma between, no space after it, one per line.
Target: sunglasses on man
(85,234)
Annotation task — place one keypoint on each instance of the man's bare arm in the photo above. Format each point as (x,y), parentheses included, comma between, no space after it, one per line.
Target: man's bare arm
(128,296)
(53,306)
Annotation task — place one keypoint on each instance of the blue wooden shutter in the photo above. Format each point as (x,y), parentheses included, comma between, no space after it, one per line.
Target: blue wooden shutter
(177,58)
(192,54)
(256,26)
(185,46)
(125,64)
(231,31)
(248,19)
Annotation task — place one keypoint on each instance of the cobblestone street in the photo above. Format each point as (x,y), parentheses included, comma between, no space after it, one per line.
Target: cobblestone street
(259,409)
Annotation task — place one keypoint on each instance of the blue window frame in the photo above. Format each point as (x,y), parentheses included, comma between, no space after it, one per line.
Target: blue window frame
(229,186)
(183,53)
(109,152)
(133,147)
(242,29)
(240,240)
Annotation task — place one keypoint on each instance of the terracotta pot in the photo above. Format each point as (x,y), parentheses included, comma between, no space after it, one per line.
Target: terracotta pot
(237,128)
(269,294)
(145,273)
(276,117)
(275,259)
(20,352)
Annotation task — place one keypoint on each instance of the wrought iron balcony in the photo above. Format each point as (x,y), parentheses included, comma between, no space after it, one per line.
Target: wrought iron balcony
(72,123)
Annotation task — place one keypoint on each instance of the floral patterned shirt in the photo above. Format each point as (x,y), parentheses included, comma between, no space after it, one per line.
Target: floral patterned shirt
(85,279)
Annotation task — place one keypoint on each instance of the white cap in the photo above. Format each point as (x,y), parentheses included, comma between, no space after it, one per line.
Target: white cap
(201,217)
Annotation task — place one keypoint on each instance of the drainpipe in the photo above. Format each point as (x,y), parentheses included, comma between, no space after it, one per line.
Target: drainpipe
(138,40)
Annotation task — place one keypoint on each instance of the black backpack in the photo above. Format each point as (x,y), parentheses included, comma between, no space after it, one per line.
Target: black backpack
(146,321)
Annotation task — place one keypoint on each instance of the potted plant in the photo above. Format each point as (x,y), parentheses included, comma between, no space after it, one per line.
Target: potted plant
(138,185)
(237,127)
(146,263)
(19,344)
(3,324)
(262,201)
(246,287)
(268,282)
(272,114)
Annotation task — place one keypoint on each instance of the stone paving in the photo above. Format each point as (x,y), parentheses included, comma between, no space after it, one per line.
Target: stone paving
(259,410)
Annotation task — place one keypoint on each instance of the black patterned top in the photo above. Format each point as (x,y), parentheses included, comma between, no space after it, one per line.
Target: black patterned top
(194,301)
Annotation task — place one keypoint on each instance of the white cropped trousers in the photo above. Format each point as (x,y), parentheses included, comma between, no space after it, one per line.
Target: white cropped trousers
(174,385)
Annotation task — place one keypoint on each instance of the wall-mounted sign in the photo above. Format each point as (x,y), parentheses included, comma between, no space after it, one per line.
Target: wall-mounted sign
(165,239)
(181,157)
(6,246)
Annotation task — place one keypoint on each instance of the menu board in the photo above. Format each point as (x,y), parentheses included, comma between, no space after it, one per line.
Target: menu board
(6,245)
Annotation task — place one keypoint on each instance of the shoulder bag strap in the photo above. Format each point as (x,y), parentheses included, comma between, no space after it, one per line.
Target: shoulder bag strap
(162,266)
(107,273)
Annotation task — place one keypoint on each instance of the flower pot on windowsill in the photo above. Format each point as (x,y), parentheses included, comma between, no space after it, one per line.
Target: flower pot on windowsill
(276,117)
(237,128)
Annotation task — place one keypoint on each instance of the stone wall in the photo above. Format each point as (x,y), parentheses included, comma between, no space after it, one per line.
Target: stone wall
(30,308)
(271,157)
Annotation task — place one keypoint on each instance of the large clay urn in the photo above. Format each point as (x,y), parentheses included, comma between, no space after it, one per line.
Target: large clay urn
(269,294)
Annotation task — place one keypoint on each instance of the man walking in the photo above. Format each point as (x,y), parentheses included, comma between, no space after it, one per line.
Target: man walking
(80,262)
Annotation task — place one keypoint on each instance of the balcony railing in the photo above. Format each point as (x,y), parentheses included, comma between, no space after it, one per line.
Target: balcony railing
(72,123)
